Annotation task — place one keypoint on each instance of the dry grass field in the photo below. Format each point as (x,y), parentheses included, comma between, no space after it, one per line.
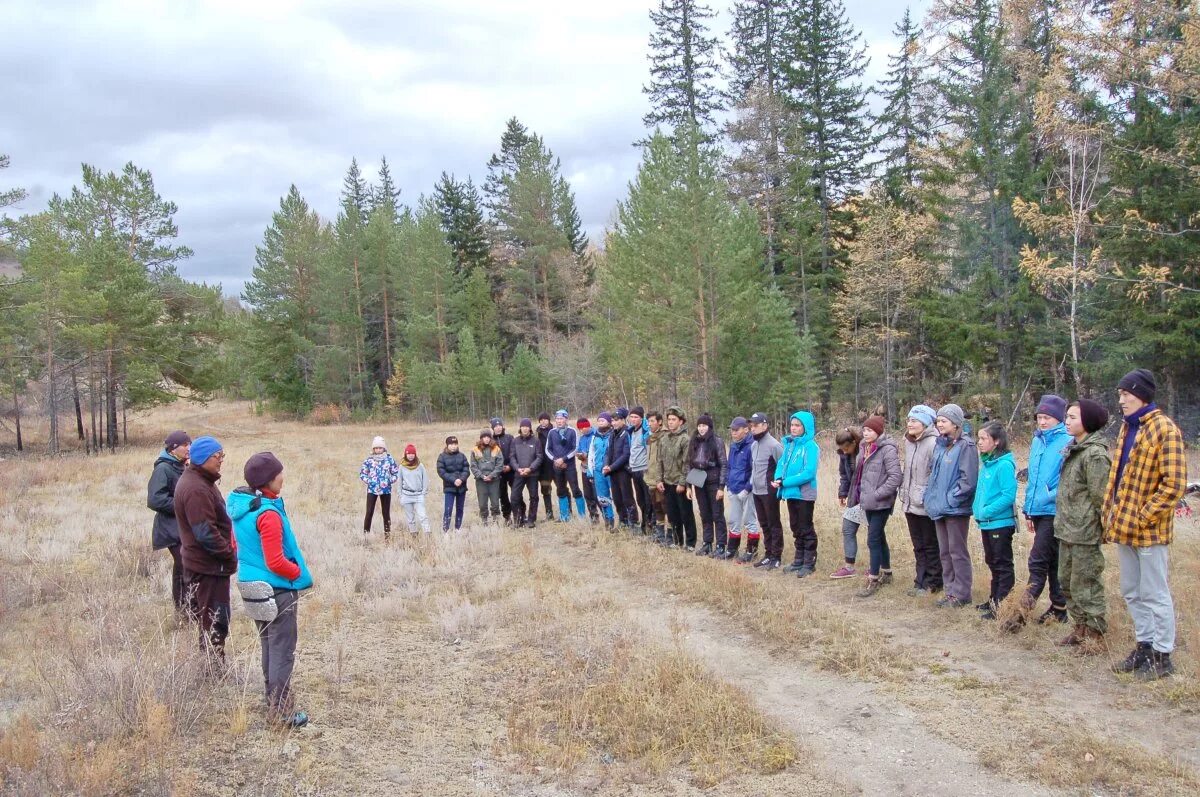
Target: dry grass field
(558,661)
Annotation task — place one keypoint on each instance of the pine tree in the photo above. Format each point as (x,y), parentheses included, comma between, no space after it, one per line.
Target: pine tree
(345,279)
(503,165)
(426,274)
(9,196)
(683,67)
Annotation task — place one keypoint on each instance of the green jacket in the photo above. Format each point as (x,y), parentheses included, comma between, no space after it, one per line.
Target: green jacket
(654,472)
(1081,486)
(673,455)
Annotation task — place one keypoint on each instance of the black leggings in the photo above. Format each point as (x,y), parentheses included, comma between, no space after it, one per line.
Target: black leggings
(385,504)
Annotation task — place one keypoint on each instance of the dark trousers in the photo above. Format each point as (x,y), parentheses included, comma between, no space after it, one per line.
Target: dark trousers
(489,498)
(641,492)
(589,495)
(506,485)
(453,502)
(520,485)
(566,481)
(877,544)
(208,597)
(766,507)
(278,641)
(546,483)
(385,506)
(712,513)
(622,495)
(925,551)
(804,533)
(681,516)
(178,584)
(998,555)
(1043,562)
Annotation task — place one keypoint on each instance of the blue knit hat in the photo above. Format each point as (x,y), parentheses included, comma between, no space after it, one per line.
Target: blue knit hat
(1054,406)
(605,416)
(203,448)
(621,412)
(923,413)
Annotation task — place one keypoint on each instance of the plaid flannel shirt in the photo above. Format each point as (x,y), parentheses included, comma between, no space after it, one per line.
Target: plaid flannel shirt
(1141,511)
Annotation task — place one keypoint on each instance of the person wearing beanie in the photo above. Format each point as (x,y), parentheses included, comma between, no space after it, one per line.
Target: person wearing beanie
(545,475)
(268,553)
(505,441)
(616,467)
(1081,484)
(1050,440)
(949,495)
(765,454)
(738,496)
(487,466)
(639,464)
(160,497)
(658,502)
(561,444)
(453,467)
(379,471)
(526,463)
(673,462)
(706,453)
(1147,479)
(994,509)
(920,440)
(875,484)
(414,486)
(848,441)
(597,453)
(796,481)
(583,446)
(206,545)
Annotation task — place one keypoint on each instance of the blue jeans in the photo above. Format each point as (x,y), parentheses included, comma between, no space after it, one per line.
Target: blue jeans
(455,502)
(881,555)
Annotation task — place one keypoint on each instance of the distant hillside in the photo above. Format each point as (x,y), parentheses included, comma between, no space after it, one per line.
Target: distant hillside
(9,268)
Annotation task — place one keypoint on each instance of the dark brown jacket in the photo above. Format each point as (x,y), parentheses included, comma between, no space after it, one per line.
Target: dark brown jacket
(205,530)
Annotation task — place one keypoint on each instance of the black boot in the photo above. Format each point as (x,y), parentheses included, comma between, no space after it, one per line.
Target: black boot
(704,550)
(1156,666)
(795,566)
(1137,657)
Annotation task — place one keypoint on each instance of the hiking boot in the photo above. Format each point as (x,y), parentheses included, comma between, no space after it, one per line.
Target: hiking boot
(1013,624)
(719,552)
(1136,658)
(704,550)
(1091,642)
(746,558)
(845,571)
(981,607)
(885,577)
(1074,638)
(950,602)
(1157,666)
(805,571)
(870,588)
(1054,613)
(794,566)
(916,592)
(989,613)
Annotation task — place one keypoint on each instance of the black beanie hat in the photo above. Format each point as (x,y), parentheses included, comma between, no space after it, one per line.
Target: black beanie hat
(639,411)
(1140,383)
(1092,415)
(545,416)
(261,468)
(705,419)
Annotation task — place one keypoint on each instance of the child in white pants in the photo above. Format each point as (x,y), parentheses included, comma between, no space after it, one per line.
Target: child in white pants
(414,484)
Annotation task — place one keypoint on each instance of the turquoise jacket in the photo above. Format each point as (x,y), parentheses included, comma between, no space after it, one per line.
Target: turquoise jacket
(252,564)
(995,501)
(1045,465)
(797,468)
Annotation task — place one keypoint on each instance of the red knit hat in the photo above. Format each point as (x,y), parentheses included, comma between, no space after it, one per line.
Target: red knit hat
(874,423)
(410,449)
(583,423)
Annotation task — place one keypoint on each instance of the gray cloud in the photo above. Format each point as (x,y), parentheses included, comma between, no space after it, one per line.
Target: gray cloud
(230,102)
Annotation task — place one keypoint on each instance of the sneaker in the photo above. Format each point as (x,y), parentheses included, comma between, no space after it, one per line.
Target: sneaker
(845,571)
(982,607)
(704,550)
(1053,614)
(764,562)
(773,564)
(950,602)
(1157,666)
(916,592)
(719,552)
(746,558)
(805,571)
(870,588)
(297,720)
(730,553)
(1136,658)
(794,566)
(988,614)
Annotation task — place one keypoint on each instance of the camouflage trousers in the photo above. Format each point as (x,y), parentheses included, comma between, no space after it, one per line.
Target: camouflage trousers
(1080,571)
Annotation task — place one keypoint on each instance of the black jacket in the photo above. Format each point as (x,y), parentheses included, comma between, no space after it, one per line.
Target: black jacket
(505,441)
(160,496)
(546,466)
(451,467)
(617,456)
(845,473)
(708,454)
(526,453)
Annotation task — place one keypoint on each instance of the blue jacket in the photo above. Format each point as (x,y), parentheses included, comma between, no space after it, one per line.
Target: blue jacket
(740,465)
(252,563)
(1045,464)
(584,447)
(995,501)
(599,451)
(950,490)
(561,444)
(797,468)
(618,450)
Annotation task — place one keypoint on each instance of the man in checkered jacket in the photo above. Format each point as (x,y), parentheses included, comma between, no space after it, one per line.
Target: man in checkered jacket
(1148,477)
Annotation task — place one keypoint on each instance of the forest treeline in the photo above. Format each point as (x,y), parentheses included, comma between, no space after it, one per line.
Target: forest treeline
(1015,210)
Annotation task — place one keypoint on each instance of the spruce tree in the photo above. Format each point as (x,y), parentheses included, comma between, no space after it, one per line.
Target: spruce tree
(905,125)
(458,205)
(385,193)
(683,67)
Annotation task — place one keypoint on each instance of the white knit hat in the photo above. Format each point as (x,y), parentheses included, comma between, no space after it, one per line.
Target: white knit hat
(378,443)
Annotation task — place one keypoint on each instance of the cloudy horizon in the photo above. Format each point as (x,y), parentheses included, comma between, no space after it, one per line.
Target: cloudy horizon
(228,104)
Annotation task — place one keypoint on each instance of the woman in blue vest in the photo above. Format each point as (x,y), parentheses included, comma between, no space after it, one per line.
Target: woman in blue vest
(268,552)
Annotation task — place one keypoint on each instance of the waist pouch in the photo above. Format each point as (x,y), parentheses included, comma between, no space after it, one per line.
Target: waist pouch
(258,600)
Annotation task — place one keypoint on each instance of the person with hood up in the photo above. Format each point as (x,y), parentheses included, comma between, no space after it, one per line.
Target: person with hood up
(739,498)
(268,552)
(487,466)
(561,444)
(597,453)
(920,440)
(616,467)
(765,454)
(453,467)
(673,459)
(160,496)
(414,486)
(1041,492)
(876,481)
(706,452)
(546,469)
(526,463)
(796,481)
(379,472)
(994,511)
(207,545)
(585,433)
(505,441)
(1077,525)
(658,504)
(948,498)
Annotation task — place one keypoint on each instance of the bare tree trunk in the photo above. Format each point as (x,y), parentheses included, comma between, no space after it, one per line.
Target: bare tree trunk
(110,390)
(78,409)
(50,391)
(17,414)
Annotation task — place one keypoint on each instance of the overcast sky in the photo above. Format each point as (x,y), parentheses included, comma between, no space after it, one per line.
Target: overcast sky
(228,103)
